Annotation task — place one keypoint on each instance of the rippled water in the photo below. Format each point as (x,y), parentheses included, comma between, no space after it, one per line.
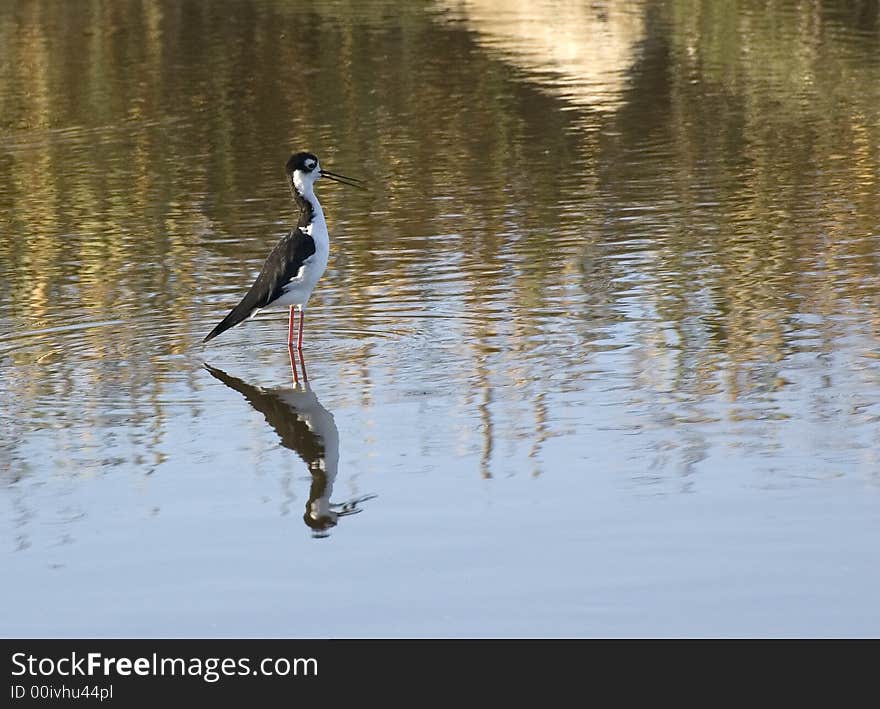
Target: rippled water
(598,352)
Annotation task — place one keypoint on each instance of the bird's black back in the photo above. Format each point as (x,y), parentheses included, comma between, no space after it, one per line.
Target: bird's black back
(281,265)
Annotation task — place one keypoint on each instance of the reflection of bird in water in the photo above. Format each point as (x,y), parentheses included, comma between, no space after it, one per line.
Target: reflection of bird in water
(309,429)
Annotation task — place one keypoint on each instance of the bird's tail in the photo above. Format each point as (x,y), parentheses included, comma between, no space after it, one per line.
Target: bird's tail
(239,313)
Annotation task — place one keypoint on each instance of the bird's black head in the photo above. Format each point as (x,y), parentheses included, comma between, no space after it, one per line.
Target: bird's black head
(303,170)
(304,162)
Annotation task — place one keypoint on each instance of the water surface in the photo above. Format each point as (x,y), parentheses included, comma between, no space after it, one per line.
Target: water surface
(598,352)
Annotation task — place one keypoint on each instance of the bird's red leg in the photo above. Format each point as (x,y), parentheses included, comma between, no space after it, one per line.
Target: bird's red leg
(290,328)
(299,339)
(293,365)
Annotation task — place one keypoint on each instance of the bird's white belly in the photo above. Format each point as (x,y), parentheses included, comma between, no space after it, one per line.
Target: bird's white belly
(300,288)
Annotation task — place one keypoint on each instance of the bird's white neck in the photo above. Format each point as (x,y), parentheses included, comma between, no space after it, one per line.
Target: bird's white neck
(307,201)
(303,185)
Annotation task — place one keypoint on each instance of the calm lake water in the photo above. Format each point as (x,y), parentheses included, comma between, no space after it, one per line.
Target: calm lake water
(597,353)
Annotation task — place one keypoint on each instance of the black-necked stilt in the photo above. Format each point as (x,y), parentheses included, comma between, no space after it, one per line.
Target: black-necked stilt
(297,262)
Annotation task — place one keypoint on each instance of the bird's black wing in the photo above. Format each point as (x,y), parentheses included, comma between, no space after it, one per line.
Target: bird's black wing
(281,265)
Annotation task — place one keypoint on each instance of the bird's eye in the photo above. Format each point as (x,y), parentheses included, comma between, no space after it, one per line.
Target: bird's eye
(310,164)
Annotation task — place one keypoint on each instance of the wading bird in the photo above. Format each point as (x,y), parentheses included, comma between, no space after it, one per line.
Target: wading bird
(298,261)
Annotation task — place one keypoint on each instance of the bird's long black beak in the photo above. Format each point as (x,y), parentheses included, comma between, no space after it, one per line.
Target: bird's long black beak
(342,179)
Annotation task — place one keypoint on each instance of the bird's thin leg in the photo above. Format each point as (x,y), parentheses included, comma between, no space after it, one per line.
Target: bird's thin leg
(293,365)
(290,328)
(299,339)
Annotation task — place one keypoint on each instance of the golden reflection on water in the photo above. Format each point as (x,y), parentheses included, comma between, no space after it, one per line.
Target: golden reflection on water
(581,50)
(680,219)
